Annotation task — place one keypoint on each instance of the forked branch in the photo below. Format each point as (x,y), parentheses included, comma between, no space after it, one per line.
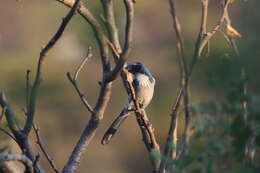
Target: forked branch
(34,90)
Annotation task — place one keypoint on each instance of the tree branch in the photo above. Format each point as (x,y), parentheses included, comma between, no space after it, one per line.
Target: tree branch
(38,77)
(111,24)
(145,126)
(10,116)
(74,81)
(8,134)
(19,135)
(129,6)
(18,157)
(44,151)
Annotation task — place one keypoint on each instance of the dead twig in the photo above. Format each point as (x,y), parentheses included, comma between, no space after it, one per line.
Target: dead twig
(27,88)
(129,6)
(34,90)
(8,134)
(74,80)
(44,151)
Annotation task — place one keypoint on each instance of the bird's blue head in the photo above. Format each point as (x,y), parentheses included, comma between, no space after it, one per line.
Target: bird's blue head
(138,67)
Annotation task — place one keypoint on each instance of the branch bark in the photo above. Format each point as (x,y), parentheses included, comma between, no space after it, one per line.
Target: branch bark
(20,158)
(146,128)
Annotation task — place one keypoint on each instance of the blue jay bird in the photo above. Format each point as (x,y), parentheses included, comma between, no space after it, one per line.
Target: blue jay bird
(143,83)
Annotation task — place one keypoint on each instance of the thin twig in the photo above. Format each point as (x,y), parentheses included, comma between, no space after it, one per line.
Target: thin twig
(204,37)
(8,134)
(27,88)
(47,156)
(82,63)
(104,93)
(170,148)
(18,157)
(111,23)
(20,137)
(38,77)
(10,117)
(129,6)
(82,96)
(74,80)
(98,31)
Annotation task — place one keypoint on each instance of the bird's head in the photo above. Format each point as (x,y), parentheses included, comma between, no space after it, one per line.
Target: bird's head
(139,68)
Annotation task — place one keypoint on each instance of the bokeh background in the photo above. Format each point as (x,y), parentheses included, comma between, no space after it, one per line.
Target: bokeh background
(27,25)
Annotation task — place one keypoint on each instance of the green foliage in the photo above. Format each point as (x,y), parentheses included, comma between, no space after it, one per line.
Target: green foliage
(221,132)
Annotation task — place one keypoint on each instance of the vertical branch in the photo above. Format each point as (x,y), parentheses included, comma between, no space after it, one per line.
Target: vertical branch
(44,151)
(9,114)
(21,136)
(27,91)
(38,77)
(146,128)
(186,134)
(170,149)
(104,93)
(129,6)
(111,24)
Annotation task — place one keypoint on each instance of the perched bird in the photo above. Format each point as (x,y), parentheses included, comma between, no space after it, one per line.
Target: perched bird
(143,83)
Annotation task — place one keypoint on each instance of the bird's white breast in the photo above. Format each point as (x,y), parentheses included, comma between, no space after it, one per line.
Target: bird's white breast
(144,81)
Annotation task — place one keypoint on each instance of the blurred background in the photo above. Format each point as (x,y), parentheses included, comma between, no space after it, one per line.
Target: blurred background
(27,25)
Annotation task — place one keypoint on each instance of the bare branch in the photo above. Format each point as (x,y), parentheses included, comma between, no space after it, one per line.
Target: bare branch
(170,149)
(18,157)
(204,37)
(47,156)
(19,135)
(8,134)
(10,116)
(111,24)
(43,54)
(27,88)
(146,127)
(129,5)
(74,81)
(82,63)
(98,31)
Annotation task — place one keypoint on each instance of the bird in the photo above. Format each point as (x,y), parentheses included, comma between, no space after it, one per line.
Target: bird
(143,83)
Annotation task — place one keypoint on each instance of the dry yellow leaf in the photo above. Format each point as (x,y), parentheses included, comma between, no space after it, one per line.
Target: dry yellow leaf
(232,32)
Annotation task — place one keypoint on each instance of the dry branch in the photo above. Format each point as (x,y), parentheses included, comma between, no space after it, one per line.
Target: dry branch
(73,80)
(145,126)
(21,136)
(104,93)
(38,77)
(20,158)
(43,149)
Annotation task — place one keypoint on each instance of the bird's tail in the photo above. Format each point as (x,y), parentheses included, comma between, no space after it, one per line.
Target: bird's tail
(114,127)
